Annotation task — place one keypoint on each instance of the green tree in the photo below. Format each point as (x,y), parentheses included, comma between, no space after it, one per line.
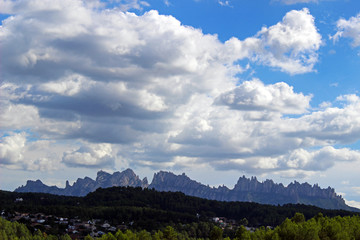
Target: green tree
(288,230)
(88,237)
(108,236)
(242,233)
(157,235)
(216,233)
(298,218)
(170,233)
(144,235)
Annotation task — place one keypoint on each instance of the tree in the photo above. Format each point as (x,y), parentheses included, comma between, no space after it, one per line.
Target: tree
(242,233)
(170,233)
(298,218)
(88,237)
(157,235)
(244,222)
(216,233)
(144,235)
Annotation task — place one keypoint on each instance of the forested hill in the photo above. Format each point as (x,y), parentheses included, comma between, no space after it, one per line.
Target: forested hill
(149,209)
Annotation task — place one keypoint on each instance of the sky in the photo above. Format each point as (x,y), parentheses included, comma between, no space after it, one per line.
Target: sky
(213,88)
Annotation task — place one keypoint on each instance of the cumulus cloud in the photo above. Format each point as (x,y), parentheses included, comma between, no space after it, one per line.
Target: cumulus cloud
(291,45)
(349,29)
(299,163)
(16,152)
(319,160)
(255,96)
(126,5)
(17,116)
(228,139)
(11,149)
(331,125)
(90,155)
(153,92)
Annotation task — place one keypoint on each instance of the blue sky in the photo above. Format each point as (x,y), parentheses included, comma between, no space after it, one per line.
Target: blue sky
(265,88)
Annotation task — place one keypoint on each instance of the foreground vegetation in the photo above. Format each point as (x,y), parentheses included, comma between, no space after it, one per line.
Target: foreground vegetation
(318,227)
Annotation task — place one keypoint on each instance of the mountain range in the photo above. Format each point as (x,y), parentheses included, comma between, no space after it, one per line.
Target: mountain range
(83,186)
(246,189)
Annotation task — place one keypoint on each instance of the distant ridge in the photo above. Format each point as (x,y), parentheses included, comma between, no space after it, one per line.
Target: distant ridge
(83,186)
(251,190)
(246,190)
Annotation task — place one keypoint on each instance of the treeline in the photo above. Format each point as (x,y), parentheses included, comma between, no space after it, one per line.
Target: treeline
(318,227)
(296,228)
(149,209)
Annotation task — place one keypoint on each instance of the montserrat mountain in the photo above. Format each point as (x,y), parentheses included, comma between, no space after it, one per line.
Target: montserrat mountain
(245,190)
(251,190)
(83,186)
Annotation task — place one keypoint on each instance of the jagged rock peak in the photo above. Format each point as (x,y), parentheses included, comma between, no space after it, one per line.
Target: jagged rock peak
(35,182)
(169,178)
(246,189)
(129,172)
(101,176)
(145,181)
(85,185)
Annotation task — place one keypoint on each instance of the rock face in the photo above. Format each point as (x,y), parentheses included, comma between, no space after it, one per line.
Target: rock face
(167,181)
(246,190)
(38,186)
(83,186)
(251,190)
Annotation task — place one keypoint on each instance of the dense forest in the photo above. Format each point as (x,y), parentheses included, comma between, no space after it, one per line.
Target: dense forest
(145,212)
(318,227)
(149,209)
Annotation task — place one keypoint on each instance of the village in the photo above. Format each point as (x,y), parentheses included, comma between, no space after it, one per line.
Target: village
(75,227)
(78,228)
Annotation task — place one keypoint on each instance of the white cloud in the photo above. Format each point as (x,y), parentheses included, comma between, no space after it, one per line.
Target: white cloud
(298,163)
(90,155)
(15,116)
(152,92)
(352,203)
(234,140)
(291,45)
(11,149)
(349,29)
(325,105)
(333,124)
(319,160)
(255,96)
(16,152)
(67,86)
(126,5)
(224,3)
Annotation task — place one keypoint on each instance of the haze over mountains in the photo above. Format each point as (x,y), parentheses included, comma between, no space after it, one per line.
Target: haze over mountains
(247,190)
